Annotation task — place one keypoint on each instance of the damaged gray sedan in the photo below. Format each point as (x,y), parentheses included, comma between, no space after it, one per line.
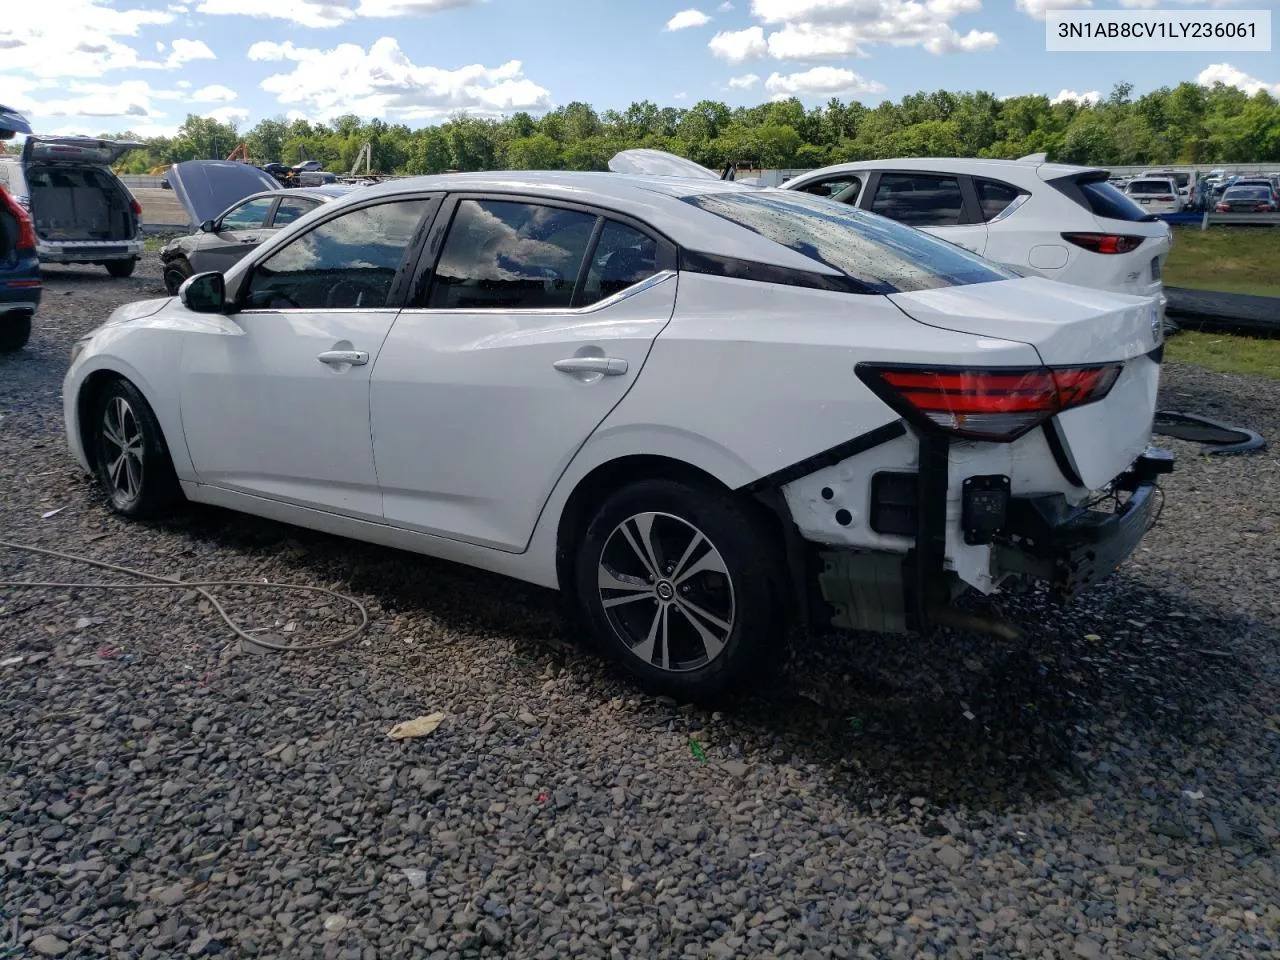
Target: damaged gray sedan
(238,207)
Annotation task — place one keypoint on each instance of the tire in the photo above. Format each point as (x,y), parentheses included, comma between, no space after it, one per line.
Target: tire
(176,271)
(668,634)
(15,331)
(121,268)
(130,456)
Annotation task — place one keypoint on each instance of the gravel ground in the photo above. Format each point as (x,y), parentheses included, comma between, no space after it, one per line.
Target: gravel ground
(1106,787)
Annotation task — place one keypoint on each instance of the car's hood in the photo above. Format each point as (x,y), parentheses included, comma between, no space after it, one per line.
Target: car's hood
(138,310)
(658,163)
(77,149)
(207,187)
(11,122)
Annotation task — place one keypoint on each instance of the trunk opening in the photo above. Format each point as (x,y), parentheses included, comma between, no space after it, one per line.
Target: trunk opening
(78,203)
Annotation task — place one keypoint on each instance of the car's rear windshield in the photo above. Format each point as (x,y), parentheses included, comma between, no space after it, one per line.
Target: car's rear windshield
(1150,186)
(1102,199)
(879,254)
(1247,193)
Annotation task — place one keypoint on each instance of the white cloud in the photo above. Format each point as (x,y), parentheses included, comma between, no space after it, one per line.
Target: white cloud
(820,81)
(382,81)
(739,45)
(1235,77)
(1090,97)
(215,93)
(809,30)
(726,6)
(184,51)
(682,95)
(73,38)
(688,18)
(407,8)
(183,84)
(228,114)
(1038,8)
(306,13)
(329,13)
(744,82)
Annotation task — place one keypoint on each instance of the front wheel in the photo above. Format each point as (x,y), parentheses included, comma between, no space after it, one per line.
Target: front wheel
(176,272)
(679,584)
(15,331)
(121,268)
(130,456)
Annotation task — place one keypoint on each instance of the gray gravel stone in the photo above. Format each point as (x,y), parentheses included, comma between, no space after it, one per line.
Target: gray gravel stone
(49,946)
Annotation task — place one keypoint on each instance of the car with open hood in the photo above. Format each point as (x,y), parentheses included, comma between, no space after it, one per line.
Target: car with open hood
(239,229)
(81,211)
(701,410)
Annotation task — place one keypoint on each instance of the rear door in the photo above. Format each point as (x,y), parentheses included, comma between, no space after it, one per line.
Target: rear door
(236,233)
(942,204)
(536,321)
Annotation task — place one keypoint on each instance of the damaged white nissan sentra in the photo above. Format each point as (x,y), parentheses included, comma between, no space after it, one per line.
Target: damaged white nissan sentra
(702,410)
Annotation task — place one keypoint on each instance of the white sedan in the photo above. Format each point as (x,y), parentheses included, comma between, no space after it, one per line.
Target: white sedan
(704,410)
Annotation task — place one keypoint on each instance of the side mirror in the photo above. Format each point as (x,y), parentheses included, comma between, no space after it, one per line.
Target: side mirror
(204,293)
(208,226)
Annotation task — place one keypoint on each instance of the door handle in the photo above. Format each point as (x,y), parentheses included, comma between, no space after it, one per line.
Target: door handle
(609,366)
(356,358)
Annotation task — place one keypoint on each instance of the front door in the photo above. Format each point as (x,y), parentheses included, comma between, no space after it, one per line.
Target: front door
(536,323)
(235,234)
(275,397)
(932,202)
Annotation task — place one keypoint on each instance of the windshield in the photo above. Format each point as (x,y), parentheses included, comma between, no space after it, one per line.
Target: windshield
(880,254)
(1248,193)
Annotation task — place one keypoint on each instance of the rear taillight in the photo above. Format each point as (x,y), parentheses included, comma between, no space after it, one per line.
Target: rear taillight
(1104,242)
(26,229)
(1223,208)
(135,205)
(996,404)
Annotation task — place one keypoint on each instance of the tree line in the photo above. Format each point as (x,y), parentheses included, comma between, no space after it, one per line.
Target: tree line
(1183,124)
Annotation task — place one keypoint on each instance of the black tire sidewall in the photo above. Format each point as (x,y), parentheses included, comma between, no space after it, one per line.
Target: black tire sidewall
(159,483)
(121,268)
(15,331)
(747,553)
(178,267)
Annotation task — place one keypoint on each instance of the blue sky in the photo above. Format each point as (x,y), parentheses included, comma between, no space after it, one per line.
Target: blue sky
(105,65)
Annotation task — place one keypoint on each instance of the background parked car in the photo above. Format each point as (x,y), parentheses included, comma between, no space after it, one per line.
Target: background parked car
(1247,199)
(224,239)
(81,211)
(1062,222)
(1156,194)
(19,273)
(1263,182)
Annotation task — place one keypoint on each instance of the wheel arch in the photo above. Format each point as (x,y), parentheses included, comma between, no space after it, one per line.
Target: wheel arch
(605,479)
(91,387)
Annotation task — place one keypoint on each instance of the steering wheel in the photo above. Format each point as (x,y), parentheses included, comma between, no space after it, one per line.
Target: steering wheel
(360,288)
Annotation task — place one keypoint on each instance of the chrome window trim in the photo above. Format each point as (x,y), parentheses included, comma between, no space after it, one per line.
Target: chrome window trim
(636,288)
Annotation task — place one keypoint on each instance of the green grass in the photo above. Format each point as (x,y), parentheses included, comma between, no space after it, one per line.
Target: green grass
(1230,259)
(1225,353)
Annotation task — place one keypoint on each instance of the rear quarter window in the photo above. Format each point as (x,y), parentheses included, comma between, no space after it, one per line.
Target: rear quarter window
(879,255)
(1101,198)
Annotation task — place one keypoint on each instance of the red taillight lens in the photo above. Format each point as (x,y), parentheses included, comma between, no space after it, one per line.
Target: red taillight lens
(1104,242)
(26,229)
(137,207)
(1223,208)
(998,405)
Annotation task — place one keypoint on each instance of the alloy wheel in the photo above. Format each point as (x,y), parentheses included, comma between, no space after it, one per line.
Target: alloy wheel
(122,450)
(666,592)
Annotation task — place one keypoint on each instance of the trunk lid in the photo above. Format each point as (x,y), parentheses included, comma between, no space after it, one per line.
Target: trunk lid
(207,187)
(12,123)
(1067,326)
(658,163)
(76,150)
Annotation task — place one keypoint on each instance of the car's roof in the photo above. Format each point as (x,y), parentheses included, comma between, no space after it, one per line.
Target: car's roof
(325,190)
(972,165)
(653,200)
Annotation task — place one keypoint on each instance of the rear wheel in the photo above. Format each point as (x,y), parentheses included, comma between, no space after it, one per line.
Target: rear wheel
(176,272)
(677,581)
(15,331)
(130,455)
(121,268)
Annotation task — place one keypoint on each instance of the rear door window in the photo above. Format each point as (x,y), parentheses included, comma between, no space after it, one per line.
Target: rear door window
(348,262)
(622,258)
(509,255)
(291,209)
(251,215)
(878,255)
(919,199)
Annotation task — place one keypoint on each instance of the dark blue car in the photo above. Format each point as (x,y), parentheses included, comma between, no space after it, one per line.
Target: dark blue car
(19,274)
